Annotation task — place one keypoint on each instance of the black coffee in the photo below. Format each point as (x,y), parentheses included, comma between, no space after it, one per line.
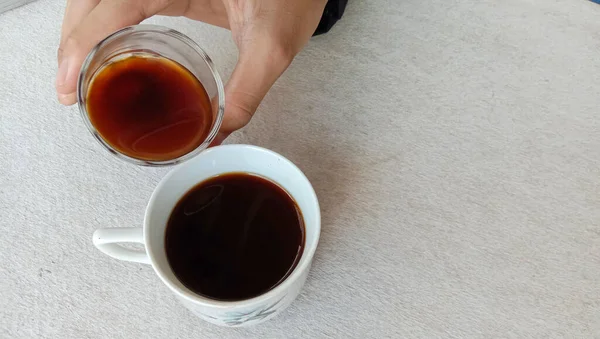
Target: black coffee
(234,237)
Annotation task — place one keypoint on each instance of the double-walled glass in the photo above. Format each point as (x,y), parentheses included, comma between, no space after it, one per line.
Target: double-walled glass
(145,40)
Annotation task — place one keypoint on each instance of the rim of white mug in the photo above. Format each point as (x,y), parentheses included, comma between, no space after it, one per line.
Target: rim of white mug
(302,265)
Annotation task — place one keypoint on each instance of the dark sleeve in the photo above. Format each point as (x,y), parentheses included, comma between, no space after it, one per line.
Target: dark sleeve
(332,13)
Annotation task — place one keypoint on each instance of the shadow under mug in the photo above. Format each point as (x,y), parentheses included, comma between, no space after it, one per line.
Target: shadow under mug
(209,163)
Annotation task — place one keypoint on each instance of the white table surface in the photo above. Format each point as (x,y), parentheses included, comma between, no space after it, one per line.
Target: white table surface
(454,146)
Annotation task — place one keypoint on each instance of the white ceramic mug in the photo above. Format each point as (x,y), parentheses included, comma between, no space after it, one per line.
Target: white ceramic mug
(209,163)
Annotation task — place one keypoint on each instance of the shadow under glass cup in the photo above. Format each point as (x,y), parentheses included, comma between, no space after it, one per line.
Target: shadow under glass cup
(152,41)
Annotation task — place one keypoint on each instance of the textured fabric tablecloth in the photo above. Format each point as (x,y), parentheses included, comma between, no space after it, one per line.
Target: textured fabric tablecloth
(454,146)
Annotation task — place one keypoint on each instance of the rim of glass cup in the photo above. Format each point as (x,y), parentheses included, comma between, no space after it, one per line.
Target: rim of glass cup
(172,33)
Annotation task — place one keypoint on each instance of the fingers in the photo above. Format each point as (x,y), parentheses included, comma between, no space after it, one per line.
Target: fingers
(209,11)
(75,12)
(106,17)
(219,139)
(259,65)
(268,34)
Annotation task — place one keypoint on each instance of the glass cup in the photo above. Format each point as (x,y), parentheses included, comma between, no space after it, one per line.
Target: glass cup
(158,41)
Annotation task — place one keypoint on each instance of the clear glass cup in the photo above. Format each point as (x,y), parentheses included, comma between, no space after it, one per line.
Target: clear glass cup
(162,42)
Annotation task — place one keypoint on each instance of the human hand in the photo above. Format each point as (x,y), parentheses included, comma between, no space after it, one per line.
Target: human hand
(268,34)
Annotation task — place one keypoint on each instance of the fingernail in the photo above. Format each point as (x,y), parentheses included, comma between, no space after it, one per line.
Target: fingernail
(62,98)
(66,99)
(63,70)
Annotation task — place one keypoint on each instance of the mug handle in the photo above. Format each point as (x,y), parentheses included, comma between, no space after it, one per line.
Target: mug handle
(107,240)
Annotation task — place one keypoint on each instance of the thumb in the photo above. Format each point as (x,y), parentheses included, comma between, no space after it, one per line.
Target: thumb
(259,65)
(107,17)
